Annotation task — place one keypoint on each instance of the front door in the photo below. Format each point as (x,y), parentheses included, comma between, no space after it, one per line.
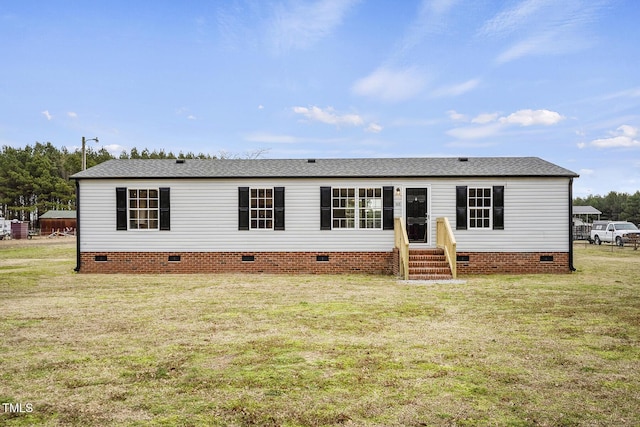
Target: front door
(417,215)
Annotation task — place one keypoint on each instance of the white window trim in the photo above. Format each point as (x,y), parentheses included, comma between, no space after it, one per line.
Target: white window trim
(470,208)
(251,209)
(129,208)
(356,208)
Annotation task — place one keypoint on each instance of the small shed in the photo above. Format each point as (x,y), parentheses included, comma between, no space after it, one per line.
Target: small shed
(58,221)
(582,221)
(19,230)
(583,212)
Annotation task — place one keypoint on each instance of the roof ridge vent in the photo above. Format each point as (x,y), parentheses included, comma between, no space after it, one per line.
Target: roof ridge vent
(311,160)
(463,159)
(179,161)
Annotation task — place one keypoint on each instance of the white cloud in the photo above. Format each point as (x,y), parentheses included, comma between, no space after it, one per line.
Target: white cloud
(628,130)
(456,117)
(374,128)
(72,115)
(299,25)
(47,114)
(430,18)
(624,136)
(329,116)
(533,117)
(542,27)
(486,125)
(512,19)
(485,118)
(440,7)
(456,90)
(628,93)
(391,84)
(549,43)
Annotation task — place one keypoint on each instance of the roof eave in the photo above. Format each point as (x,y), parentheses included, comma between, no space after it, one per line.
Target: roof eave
(131,177)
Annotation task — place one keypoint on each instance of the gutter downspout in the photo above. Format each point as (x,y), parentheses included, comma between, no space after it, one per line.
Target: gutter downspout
(571,267)
(77,269)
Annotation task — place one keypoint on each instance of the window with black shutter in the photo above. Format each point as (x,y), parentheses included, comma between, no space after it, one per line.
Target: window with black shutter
(461,207)
(498,207)
(325,208)
(142,209)
(121,208)
(480,207)
(387,208)
(278,208)
(261,208)
(243,208)
(165,212)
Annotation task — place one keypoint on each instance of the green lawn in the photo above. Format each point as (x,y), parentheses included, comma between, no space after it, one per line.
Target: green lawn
(317,350)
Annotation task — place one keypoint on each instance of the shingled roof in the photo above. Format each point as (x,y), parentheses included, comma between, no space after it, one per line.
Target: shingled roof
(55,214)
(427,167)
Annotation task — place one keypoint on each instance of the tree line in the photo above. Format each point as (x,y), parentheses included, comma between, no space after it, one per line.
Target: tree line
(614,206)
(35,179)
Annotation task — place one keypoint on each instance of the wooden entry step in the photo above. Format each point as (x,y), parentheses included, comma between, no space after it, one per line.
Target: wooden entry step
(428,264)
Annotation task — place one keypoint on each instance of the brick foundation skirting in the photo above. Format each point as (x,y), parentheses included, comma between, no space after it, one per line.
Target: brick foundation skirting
(512,262)
(387,263)
(238,262)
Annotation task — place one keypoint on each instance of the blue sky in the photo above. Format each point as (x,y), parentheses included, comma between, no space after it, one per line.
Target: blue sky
(332,78)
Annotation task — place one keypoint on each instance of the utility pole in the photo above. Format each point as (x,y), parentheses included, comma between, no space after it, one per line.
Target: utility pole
(84,151)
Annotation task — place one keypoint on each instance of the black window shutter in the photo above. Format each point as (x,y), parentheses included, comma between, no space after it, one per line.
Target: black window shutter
(121,208)
(461,207)
(325,208)
(278,207)
(243,208)
(498,207)
(165,211)
(387,208)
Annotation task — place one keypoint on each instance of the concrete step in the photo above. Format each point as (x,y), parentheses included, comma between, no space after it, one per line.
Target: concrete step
(430,277)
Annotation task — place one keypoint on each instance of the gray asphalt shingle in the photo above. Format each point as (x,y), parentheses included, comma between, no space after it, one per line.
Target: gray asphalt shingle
(329,168)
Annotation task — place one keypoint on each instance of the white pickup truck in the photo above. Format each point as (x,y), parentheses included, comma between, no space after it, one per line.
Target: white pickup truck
(618,232)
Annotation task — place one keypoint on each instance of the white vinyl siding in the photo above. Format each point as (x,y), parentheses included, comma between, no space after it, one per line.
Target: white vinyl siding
(536,215)
(204,216)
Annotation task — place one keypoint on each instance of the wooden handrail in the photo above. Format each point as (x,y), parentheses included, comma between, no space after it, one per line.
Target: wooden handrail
(447,241)
(402,243)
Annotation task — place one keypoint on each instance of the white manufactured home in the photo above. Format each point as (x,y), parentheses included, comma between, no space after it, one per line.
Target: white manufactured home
(424,217)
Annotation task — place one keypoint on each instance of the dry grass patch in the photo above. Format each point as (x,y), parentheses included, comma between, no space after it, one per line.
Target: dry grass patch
(318,350)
